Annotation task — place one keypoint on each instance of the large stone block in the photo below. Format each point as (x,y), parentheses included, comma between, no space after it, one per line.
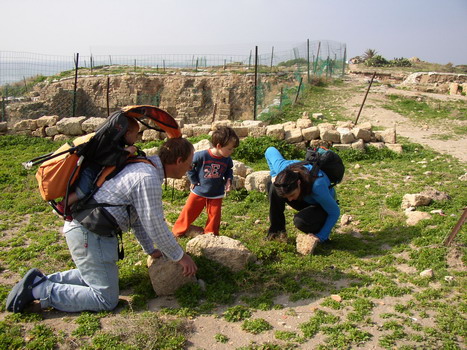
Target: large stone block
(310,133)
(276,131)
(167,276)
(257,181)
(71,126)
(226,251)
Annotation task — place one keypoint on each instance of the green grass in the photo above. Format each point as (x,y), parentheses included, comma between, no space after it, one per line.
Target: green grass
(363,264)
(429,111)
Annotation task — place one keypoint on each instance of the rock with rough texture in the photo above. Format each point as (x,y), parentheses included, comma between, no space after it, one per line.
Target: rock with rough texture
(306,244)
(257,181)
(226,251)
(167,276)
(415,200)
(414,217)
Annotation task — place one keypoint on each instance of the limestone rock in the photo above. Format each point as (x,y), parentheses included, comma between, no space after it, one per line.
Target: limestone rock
(167,276)
(257,181)
(306,244)
(71,126)
(224,250)
(414,217)
(415,200)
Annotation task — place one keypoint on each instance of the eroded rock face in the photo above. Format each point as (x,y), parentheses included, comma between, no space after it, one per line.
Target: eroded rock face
(226,251)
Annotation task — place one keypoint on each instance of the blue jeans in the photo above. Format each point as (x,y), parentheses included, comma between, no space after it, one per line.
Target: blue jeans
(93,286)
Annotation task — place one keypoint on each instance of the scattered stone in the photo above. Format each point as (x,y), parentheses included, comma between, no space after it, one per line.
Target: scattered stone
(449,279)
(336,297)
(306,244)
(414,217)
(415,200)
(427,273)
(221,249)
(346,219)
(357,166)
(167,276)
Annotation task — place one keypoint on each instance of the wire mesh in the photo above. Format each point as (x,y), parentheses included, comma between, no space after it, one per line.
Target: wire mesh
(33,85)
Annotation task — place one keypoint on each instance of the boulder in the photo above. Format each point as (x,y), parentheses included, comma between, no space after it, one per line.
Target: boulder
(167,276)
(306,244)
(257,181)
(71,126)
(92,124)
(226,251)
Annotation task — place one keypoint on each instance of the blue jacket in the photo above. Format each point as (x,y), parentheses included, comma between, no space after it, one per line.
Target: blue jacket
(209,174)
(321,192)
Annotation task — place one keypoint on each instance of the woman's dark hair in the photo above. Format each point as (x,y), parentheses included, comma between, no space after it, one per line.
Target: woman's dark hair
(287,180)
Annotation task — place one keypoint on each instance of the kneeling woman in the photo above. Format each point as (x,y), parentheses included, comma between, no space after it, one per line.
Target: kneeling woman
(314,198)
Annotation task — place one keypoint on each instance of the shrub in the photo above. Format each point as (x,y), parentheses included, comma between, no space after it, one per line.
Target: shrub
(376,61)
(252,149)
(400,62)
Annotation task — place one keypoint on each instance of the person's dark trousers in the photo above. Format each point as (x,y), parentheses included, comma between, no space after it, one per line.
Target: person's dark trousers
(309,219)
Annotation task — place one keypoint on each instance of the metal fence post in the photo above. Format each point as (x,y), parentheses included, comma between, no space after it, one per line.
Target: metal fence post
(308,59)
(75,84)
(256,82)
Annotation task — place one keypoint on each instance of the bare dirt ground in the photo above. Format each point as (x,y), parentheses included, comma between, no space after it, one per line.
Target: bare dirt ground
(424,134)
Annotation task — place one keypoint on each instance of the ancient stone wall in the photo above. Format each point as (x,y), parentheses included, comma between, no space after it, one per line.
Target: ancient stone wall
(193,97)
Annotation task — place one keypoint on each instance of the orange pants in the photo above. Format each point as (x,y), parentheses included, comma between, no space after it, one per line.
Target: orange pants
(190,212)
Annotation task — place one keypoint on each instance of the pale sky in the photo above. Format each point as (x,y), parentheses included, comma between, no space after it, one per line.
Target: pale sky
(433,30)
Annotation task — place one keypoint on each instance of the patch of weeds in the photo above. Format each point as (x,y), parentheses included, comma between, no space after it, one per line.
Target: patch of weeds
(237,313)
(451,321)
(302,294)
(256,326)
(181,312)
(288,336)
(10,336)
(189,295)
(331,303)
(221,338)
(405,309)
(148,331)
(342,336)
(41,337)
(362,309)
(107,341)
(88,324)
(426,258)
(24,317)
(264,346)
(312,327)
(261,302)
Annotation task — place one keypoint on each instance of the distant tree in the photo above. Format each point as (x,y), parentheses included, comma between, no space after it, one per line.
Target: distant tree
(369,53)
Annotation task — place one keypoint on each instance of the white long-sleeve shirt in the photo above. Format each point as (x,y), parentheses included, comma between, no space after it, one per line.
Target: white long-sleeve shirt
(139,187)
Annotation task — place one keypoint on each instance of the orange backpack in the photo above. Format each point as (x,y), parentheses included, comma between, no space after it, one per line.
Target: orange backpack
(59,170)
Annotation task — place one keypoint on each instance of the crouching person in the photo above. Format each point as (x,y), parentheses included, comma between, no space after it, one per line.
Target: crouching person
(313,199)
(133,200)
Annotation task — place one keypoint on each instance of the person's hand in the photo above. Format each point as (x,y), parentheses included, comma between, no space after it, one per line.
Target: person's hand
(189,266)
(192,186)
(156,254)
(228,185)
(131,149)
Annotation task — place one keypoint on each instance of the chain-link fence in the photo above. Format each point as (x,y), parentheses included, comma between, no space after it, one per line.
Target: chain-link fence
(195,87)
